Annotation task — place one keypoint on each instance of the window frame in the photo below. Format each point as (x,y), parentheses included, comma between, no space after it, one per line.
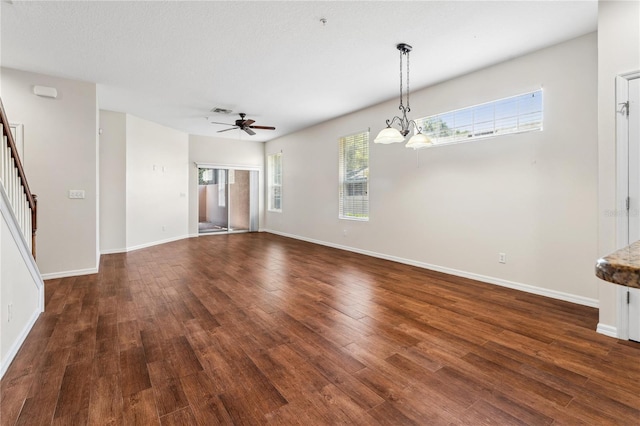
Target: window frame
(362,214)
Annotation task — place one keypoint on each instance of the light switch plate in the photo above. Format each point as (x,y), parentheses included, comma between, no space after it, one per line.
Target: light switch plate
(76,193)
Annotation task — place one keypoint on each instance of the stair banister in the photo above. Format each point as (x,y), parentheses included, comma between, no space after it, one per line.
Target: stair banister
(24,203)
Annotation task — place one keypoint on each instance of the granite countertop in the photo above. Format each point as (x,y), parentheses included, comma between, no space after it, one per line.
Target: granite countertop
(621,267)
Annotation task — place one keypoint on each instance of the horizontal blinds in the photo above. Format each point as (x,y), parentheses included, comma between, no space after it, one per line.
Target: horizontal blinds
(354,176)
(515,114)
(275,181)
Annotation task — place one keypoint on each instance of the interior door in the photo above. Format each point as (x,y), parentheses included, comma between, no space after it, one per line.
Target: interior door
(633,110)
(634,314)
(634,160)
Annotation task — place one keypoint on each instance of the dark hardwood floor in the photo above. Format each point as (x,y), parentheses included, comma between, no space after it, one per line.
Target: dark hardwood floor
(260,329)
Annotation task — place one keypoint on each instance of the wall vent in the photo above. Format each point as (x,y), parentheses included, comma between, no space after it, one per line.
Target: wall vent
(219,110)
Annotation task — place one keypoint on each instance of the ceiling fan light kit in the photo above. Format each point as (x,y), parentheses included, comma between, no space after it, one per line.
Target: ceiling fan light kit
(390,134)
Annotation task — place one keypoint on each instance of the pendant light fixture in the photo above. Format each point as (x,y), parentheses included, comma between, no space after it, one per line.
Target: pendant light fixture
(391,134)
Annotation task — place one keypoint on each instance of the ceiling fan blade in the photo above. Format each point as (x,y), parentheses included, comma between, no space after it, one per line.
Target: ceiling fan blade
(263,127)
(248,122)
(217,122)
(226,130)
(248,130)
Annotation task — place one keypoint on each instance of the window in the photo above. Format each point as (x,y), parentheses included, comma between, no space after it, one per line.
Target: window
(516,114)
(354,177)
(274,168)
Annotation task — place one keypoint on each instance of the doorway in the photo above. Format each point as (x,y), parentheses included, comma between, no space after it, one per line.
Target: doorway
(628,164)
(227,200)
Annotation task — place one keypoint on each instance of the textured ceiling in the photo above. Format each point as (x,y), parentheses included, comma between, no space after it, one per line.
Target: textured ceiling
(171,62)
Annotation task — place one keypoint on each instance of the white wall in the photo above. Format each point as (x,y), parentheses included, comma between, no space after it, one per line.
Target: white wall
(157,186)
(113,184)
(618,53)
(454,208)
(60,154)
(223,152)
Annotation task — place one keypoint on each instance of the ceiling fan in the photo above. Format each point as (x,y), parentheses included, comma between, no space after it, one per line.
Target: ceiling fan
(243,124)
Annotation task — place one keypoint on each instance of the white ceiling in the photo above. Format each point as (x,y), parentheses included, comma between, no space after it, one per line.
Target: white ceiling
(172,61)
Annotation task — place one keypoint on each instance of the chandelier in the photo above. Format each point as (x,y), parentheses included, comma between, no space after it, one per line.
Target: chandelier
(391,134)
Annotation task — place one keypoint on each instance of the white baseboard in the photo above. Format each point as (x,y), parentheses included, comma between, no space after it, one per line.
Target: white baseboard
(594,303)
(145,245)
(114,251)
(65,274)
(156,243)
(607,330)
(15,347)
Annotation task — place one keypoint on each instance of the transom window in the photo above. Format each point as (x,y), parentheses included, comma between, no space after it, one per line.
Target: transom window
(515,114)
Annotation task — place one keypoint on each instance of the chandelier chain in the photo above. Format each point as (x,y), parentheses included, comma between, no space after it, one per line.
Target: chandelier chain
(400,79)
(408,91)
(404,52)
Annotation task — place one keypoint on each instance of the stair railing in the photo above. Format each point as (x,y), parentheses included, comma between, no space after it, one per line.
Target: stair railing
(23,203)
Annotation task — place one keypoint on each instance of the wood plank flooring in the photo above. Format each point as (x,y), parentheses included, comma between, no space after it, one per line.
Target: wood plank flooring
(254,329)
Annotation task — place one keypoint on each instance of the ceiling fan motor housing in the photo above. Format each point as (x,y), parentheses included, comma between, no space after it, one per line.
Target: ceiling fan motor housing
(245,125)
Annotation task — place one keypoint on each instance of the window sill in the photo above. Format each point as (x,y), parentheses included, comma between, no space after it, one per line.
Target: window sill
(357,219)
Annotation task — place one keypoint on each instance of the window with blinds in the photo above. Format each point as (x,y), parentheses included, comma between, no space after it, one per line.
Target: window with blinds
(354,177)
(515,114)
(274,170)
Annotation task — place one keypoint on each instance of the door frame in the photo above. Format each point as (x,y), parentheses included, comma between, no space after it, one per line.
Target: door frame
(622,192)
(235,167)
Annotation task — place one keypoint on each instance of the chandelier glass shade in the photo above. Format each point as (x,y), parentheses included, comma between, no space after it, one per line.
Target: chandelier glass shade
(419,140)
(393,135)
(389,135)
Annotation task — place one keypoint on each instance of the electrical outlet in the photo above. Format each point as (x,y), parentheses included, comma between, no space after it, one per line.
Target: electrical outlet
(9,312)
(164,227)
(76,193)
(502,257)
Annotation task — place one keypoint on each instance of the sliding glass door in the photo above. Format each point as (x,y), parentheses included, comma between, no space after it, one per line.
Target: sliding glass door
(227,200)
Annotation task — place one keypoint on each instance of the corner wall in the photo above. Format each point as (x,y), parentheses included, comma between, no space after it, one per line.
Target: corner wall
(143,183)
(60,153)
(454,208)
(156,183)
(113,185)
